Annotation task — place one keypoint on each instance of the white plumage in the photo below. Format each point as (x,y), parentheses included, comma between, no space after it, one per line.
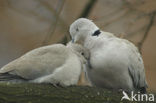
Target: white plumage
(116,63)
(55,64)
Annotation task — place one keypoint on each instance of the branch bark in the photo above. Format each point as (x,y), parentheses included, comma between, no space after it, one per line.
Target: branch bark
(46,93)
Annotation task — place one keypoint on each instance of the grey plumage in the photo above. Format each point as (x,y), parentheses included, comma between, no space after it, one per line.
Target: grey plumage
(116,62)
(56,64)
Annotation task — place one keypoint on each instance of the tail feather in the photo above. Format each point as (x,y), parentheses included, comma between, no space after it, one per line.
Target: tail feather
(10,77)
(143,90)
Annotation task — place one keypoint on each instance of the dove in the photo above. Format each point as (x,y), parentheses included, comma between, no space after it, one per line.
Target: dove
(115,62)
(56,64)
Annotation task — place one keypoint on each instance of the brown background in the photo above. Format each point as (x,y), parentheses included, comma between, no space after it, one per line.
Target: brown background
(26,24)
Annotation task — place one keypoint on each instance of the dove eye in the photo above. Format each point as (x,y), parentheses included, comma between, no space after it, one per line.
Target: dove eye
(82,53)
(77,29)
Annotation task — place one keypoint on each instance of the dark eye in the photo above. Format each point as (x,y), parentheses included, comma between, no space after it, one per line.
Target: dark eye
(77,29)
(82,53)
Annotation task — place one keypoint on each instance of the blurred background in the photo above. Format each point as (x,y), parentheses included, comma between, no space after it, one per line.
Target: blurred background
(28,24)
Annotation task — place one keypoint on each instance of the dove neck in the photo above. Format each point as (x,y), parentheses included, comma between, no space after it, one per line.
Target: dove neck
(90,43)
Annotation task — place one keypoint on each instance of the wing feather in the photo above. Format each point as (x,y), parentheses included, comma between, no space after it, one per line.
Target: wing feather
(136,68)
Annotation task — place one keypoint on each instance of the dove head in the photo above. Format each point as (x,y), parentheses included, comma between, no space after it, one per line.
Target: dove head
(84,52)
(82,28)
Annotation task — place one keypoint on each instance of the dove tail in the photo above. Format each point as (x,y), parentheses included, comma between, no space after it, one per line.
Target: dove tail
(143,90)
(4,77)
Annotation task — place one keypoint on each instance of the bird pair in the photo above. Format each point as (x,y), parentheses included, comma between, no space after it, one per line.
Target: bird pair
(115,62)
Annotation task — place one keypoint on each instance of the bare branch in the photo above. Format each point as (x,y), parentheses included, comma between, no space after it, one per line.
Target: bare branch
(88,8)
(140,44)
(53,26)
(118,17)
(52,9)
(85,13)
(108,15)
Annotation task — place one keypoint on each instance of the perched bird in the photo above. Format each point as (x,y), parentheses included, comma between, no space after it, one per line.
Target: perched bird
(55,64)
(116,63)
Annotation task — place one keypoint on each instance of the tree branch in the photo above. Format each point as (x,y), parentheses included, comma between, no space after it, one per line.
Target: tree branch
(53,26)
(140,44)
(85,13)
(46,93)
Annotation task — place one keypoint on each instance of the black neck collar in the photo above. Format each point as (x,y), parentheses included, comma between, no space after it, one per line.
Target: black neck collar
(96,33)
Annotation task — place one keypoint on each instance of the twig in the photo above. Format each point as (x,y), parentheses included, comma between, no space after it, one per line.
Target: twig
(66,37)
(88,8)
(53,26)
(52,9)
(48,7)
(85,13)
(111,12)
(115,19)
(140,44)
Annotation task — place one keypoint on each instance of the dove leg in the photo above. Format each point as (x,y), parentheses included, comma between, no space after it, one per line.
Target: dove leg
(83,79)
